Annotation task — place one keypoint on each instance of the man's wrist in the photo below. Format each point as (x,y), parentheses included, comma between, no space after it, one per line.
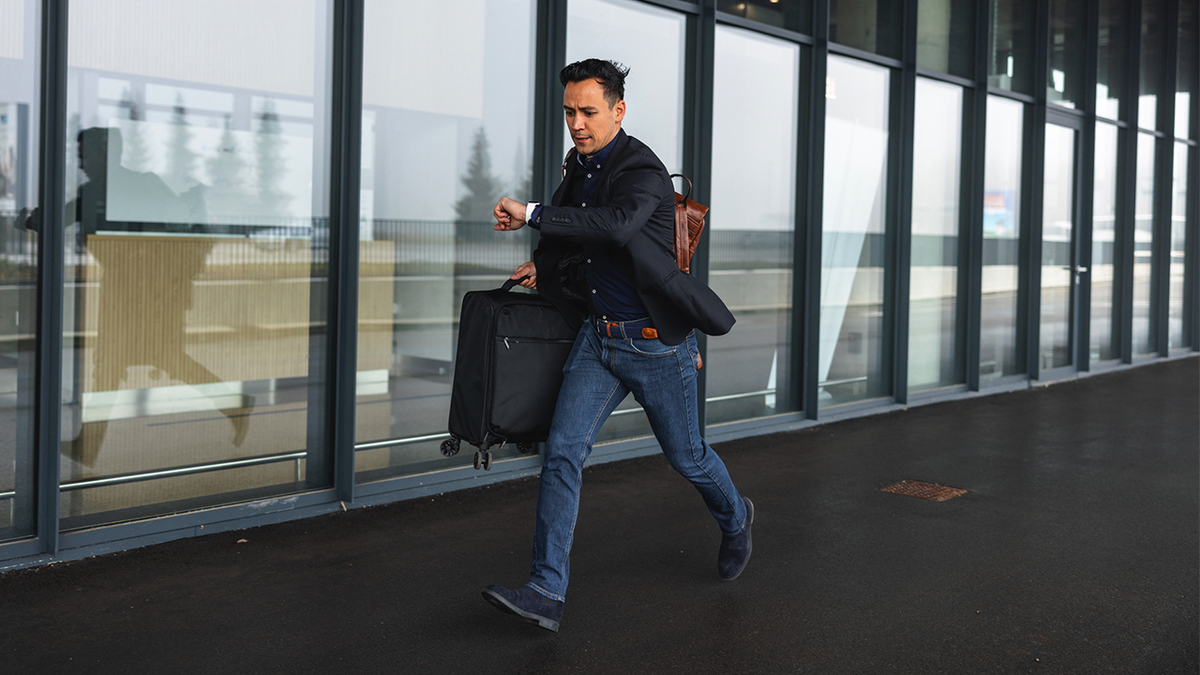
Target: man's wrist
(529,207)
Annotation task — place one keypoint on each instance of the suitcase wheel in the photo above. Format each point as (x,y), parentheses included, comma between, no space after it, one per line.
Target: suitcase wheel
(525,448)
(483,460)
(450,446)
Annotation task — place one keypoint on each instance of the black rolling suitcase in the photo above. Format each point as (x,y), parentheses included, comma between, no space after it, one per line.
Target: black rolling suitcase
(507,371)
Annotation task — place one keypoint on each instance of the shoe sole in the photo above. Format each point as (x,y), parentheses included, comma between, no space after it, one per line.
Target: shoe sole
(505,606)
(749,522)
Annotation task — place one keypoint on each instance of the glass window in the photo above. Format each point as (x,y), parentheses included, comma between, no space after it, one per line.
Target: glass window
(1186,72)
(1103,268)
(998,352)
(790,14)
(1064,81)
(852,240)
(19,115)
(1112,66)
(1143,248)
(935,346)
(1179,203)
(1058,232)
(651,42)
(752,222)
(438,152)
(1011,45)
(870,25)
(945,36)
(196,256)
(1152,61)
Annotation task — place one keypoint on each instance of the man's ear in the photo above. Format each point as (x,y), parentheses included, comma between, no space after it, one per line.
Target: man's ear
(619,110)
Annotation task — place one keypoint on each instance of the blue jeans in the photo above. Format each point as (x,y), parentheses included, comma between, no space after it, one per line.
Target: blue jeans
(599,373)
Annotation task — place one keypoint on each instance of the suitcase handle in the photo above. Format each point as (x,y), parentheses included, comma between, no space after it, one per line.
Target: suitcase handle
(513,282)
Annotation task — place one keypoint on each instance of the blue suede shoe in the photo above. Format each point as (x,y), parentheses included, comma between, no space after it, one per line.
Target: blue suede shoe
(735,548)
(527,604)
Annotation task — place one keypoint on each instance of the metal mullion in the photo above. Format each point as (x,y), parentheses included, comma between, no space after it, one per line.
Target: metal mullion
(52,152)
(813,215)
(1085,193)
(345,190)
(702,45)
(1016,96)
(931,74)
(684,6)
(1191,275)
(903,130)
(973,187)
(1031,258)
(797,360)
(550,58)
(862,55)
(1127,185)
(1164,184)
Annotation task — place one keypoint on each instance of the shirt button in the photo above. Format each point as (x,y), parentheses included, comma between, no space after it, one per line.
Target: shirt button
(593,290)
(589,261)
(589,175)
(585,203)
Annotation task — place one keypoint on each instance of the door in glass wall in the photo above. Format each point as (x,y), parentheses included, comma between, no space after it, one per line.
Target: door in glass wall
(19,219)
(196,253)
(1060,275)
(651,42)
(1144,335)
(852,336)
(752,222)
(442,142)
(999,344)
(935,342)
(1102,333)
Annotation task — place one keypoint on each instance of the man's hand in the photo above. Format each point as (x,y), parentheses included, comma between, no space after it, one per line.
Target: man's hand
(510,215)
(526,269)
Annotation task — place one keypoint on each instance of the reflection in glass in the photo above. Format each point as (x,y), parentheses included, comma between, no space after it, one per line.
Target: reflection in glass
(852,241)
(1064,82)
(1011,45)
(935,356)
(753,217)
(1143,247)
(1152,60)
(437,154)
(1111,68)
(651,41)
(196,240)
(1058,230)
(790,14)
(1187,68)
(19,115)
(870,25)
(945,32)
(998,353)
(1179,203)
(1103,345)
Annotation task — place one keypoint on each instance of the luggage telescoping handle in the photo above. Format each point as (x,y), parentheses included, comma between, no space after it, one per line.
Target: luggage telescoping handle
(513,282)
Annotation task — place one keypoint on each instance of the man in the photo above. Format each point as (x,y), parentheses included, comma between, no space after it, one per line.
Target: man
(606,258)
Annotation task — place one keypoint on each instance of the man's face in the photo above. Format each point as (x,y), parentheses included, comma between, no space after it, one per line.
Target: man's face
(590,120)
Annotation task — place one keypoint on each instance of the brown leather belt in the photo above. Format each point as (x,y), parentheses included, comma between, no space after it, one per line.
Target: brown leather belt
(624,330)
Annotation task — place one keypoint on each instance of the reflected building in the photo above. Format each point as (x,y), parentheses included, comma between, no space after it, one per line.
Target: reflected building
(233,252)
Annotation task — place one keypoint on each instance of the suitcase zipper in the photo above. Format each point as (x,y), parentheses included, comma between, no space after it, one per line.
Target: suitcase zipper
(517,341)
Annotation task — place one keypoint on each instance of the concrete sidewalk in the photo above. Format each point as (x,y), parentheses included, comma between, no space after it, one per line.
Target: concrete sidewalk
(1076,550)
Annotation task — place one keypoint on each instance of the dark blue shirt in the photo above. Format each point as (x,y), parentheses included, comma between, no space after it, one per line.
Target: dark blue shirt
(613,295)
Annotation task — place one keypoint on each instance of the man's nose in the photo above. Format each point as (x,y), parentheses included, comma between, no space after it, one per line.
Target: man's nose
(577,123)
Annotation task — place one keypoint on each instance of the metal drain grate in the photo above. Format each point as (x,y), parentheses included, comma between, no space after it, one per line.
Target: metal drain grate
(923,490)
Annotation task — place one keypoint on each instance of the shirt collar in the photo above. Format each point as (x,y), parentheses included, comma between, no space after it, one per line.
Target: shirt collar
(597,160)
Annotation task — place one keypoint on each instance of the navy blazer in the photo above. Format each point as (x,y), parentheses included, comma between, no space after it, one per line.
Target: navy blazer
(633,215)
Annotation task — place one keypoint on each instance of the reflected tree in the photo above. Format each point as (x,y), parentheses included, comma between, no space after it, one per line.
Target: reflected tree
(228,195)
(483,189)
(137,155)
(181,159)
(270,165)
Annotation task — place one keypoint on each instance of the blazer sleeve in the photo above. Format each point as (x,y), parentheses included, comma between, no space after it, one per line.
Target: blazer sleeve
(635,194)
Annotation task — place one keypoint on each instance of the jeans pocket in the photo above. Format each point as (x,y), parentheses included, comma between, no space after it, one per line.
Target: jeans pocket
(651,347)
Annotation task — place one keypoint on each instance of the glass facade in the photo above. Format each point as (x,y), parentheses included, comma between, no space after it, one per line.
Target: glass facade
(436,157)
(197,234)
(1112,65)
(752,226)
(852,236)
(20,115)
(209,238)
(1103,272)
(935,345)
(1002,227)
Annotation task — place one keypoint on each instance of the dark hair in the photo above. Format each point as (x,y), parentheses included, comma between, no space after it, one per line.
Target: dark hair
(610,74)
